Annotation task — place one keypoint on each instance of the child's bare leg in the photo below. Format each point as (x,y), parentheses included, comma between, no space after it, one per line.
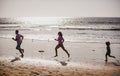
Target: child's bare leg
(111,56)
(106,57)
(21,52)
(65,50)
(56,53)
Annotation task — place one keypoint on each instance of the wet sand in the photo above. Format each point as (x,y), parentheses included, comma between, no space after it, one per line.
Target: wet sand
(20,68)
(86,59)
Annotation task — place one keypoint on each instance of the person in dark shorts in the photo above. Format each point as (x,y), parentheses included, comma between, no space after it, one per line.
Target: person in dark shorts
(60,44)
(108,53)
(19,38)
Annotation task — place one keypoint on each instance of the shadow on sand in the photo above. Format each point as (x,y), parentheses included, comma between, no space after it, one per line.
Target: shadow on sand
(63,63)
(15,59)
(117,63)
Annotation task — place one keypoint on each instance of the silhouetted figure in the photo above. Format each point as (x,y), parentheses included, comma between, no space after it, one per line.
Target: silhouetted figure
(19,39)
(108,51)
(60,44)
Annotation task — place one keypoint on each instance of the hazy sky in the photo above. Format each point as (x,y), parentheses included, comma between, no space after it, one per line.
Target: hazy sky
(60,8)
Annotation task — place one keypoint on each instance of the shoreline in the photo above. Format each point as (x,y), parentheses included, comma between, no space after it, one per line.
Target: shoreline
(86,59)
(54,40)
(93,51)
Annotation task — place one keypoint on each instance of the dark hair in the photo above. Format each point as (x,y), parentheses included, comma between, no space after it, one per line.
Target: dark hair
(60,33)
(16,31)
(107,43)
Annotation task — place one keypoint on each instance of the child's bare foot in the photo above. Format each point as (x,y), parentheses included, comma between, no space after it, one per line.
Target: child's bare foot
(68,55)
(55,56)
(105,60)
(22,55)
(114,57)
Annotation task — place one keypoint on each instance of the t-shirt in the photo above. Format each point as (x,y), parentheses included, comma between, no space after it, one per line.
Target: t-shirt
(60,40)
(108,49)
(18,38)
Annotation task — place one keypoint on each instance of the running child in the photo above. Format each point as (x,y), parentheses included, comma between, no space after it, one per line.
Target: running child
(19,38)
(60,44)
(108,53)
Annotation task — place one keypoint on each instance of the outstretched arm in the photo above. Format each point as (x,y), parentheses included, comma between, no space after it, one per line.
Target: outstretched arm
(56,39)
(14,39)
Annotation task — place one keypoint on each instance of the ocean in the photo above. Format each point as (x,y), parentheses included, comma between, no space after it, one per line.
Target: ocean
(80,30)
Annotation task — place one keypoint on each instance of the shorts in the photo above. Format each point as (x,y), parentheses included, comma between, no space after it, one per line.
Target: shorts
(107,53)
(18,46)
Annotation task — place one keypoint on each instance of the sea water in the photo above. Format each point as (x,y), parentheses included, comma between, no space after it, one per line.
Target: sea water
(87,30)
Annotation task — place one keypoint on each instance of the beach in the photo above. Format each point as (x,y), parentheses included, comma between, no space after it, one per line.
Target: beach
(23,69)
(88,62)
(84,39)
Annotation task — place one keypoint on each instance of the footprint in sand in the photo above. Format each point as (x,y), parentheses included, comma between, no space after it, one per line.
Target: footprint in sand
(41,51)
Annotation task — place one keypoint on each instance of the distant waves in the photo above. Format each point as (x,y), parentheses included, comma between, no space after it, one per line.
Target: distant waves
(103,29)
